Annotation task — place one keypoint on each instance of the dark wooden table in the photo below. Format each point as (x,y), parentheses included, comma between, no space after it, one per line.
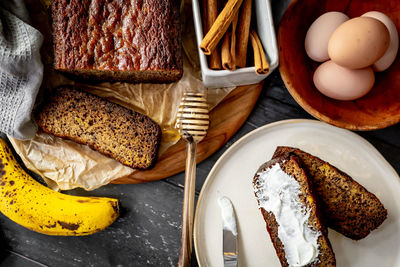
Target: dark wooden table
(148,231)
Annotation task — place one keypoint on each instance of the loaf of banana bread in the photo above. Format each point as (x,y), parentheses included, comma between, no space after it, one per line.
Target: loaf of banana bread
(134,41)
(347,206)
(291,213)
(123,134)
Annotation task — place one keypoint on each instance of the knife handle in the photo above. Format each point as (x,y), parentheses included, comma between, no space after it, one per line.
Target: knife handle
(188,206)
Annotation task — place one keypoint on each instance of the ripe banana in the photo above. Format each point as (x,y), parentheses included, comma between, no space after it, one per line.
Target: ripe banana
(34,206)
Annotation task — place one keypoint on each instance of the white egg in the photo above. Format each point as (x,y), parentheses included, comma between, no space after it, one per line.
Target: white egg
(388,58)
(341,83)
(319,33)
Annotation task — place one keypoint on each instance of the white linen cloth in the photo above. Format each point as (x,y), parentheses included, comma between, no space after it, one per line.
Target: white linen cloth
(21,70)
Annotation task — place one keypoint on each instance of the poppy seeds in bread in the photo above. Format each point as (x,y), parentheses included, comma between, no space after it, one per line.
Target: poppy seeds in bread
(115,131)
(347,206)
(300,201)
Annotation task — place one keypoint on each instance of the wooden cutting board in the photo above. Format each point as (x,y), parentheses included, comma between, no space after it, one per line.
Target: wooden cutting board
(226,119)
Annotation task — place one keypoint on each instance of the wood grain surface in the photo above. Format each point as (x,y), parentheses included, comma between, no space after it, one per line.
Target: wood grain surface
(226,119)
(148,230)
(378,109)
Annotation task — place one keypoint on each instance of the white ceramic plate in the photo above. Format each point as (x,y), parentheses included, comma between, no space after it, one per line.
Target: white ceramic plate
(233,173)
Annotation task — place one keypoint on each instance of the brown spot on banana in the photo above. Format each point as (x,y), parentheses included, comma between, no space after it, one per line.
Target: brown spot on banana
(115,206)
(2,167)
(51,225)
(68,226)
(83,201)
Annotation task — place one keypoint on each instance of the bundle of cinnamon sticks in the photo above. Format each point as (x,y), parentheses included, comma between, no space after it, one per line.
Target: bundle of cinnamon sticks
(228,34)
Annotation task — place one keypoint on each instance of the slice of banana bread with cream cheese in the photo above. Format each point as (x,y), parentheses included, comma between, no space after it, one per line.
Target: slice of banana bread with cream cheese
(291,213)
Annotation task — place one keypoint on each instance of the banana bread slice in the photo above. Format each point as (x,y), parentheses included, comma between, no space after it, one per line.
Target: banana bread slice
(347,206)
(123,134)
(291,213)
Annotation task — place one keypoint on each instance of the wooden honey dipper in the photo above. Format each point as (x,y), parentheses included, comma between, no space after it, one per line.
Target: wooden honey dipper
(192,123)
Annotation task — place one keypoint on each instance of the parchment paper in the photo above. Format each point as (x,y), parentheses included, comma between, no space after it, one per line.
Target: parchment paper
(66,165)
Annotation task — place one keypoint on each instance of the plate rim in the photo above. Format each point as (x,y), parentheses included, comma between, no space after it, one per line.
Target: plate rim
(254,132)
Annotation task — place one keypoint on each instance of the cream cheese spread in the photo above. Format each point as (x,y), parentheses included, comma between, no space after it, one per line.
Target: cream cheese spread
(228,215)
(277,192)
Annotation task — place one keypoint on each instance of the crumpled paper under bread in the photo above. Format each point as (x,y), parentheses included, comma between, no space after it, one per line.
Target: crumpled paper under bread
(65,164)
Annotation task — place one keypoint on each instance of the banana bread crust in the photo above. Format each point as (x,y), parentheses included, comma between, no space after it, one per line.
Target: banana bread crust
(136,41)
(347,206)
(123,134)
(291,165)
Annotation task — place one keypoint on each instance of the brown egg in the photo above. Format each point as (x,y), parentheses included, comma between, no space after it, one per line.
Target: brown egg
(341,83)
(358,42)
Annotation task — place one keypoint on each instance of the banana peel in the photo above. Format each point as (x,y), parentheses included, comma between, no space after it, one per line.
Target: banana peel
(38,208)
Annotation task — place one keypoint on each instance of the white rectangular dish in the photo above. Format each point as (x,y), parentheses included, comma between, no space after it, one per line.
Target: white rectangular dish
(247,75)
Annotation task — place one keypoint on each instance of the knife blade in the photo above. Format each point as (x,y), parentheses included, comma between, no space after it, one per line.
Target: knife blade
(229,232)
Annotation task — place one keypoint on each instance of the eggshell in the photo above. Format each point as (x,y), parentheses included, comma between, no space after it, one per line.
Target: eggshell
(319,33)
(342,83)
(387,59)
(358,42)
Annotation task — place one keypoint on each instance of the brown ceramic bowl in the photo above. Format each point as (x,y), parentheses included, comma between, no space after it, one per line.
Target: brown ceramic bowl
(378,109)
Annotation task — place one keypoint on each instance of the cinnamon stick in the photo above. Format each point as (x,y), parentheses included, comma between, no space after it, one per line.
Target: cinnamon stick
(242,33)
(220,26)
(226,52)
(210,11)
(204,13)
(260,60)
(233,42)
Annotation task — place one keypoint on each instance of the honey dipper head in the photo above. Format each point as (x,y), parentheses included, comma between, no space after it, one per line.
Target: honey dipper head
(192,120)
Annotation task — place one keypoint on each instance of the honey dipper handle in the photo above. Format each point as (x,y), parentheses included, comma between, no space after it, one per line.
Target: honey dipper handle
(188,206)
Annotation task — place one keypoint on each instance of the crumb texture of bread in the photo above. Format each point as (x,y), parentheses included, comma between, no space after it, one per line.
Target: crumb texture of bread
(347,206)
(137,41)
(291,165)
(123,134)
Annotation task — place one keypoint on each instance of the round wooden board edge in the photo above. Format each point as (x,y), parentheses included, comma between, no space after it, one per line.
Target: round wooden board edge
(225,118)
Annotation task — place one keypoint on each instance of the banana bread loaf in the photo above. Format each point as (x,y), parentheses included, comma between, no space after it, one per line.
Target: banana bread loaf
(123,134)
(347,206)
(291,214)
(134,41)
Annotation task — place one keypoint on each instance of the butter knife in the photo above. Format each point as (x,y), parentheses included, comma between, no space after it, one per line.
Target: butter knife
(229,232)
